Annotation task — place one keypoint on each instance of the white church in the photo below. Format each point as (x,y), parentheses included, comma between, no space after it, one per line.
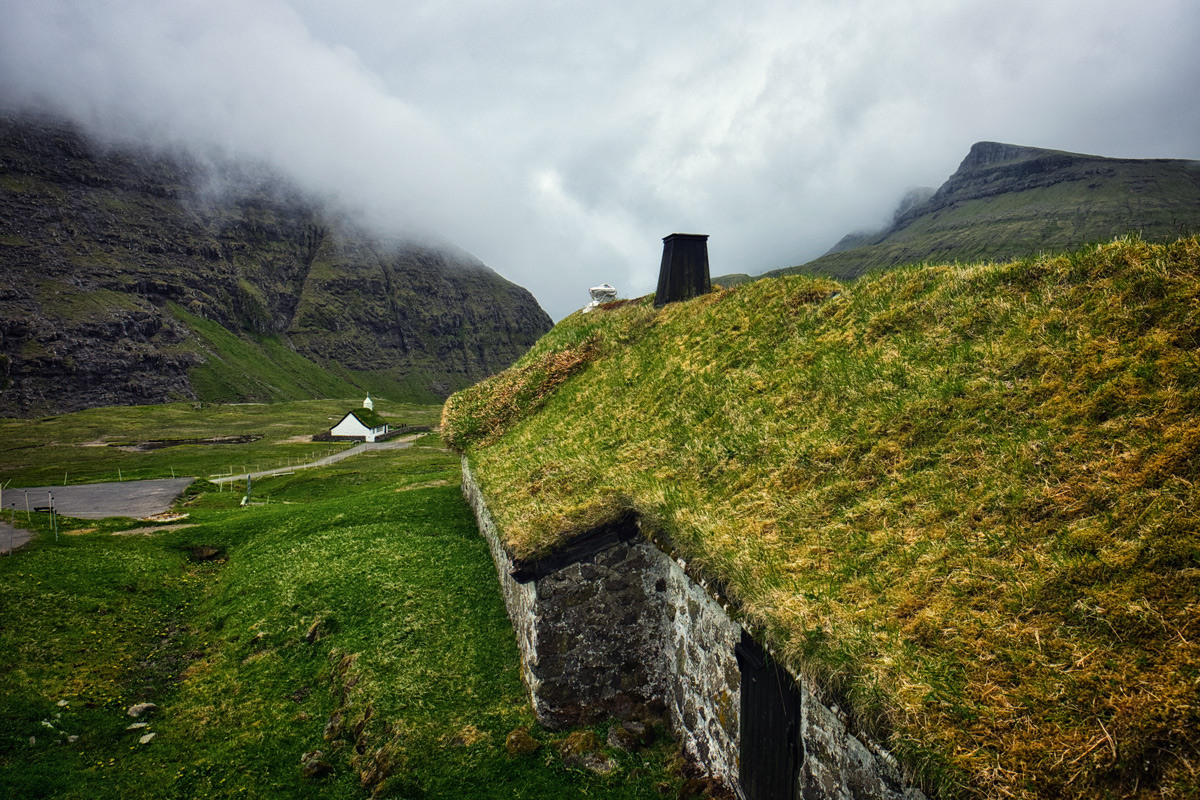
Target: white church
(361,423)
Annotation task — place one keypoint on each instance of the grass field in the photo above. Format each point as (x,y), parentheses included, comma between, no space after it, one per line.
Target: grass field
(102,444)
(357,613)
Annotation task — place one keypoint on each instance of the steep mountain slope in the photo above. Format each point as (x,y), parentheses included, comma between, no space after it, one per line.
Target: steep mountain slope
(135,278)
(1007,201)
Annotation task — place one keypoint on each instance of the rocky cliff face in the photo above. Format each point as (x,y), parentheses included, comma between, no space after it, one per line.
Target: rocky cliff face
(1009,201)
(992,169)
(114,266)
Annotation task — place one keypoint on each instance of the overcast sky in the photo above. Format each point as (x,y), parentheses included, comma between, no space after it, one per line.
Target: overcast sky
(560,141)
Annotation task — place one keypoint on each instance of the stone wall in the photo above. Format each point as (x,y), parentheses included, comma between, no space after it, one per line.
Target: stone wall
(599,634)
(519,598)
(837,765)
(704,681)
(615,627)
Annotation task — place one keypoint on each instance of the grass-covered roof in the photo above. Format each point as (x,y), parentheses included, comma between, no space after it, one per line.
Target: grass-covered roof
(369,417)
(961,498)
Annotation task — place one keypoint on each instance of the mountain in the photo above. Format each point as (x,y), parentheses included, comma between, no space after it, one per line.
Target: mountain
(1007,201)
(129,277)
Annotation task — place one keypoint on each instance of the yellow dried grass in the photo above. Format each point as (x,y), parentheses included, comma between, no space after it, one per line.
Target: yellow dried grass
(959,498)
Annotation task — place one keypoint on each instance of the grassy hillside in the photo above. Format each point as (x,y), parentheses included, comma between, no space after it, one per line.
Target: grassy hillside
(130,277)
(960,498)
(1007,201)
(261,368)
(357,613)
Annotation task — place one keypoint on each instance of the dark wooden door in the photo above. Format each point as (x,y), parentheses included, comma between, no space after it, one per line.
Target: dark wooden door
(770,752)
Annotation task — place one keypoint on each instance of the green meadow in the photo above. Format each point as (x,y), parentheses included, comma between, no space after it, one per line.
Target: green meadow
(355,612)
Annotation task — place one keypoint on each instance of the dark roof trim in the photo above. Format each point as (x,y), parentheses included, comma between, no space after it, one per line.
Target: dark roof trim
(578,548)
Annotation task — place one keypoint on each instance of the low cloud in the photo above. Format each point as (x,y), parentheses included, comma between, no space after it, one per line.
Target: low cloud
(559,143)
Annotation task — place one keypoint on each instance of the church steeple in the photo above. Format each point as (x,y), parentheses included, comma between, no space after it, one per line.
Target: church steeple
(368,403)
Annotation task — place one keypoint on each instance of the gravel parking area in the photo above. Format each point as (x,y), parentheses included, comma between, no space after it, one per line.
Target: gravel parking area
(99,500)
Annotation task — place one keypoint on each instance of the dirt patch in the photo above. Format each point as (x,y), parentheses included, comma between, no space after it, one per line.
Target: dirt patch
(304,439)
(159,444)
(151,529)
(425,485)
(165,517)
(206,552)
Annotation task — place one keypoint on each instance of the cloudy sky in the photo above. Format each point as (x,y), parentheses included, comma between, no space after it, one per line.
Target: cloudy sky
(559,141)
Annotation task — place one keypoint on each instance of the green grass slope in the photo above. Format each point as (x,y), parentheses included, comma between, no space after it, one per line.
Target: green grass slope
(256,368)
(130,277)
(1007,201)
(960,498)
(357,614)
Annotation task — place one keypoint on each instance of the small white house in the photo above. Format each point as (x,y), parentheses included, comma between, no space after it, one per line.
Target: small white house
(362,423)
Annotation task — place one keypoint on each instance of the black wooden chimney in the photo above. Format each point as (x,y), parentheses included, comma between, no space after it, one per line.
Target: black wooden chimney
(684,271)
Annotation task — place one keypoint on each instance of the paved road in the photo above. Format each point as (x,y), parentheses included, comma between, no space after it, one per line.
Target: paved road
(88,501)
(138,498)
(394,444)
(100,500)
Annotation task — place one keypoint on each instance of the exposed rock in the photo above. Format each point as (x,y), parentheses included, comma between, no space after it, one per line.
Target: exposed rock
(141,708)
(992,169)
(1010,201)
(147,738)
(579,743)
(114,262)
(137,726)
(698,784)
(630,736)
(376,767)
(334,726)
(206,553)
(581,750)
(692,788)
(520,742)
(314,765)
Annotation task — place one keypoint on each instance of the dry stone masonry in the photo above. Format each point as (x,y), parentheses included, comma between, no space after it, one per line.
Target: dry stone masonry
(611,626)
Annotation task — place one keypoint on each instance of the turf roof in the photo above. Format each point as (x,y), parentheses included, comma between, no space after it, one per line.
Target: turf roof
(960,498)
(370,418)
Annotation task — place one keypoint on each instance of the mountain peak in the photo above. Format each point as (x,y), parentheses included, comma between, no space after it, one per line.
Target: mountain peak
(130,277)
(1009,201)
(986,154)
